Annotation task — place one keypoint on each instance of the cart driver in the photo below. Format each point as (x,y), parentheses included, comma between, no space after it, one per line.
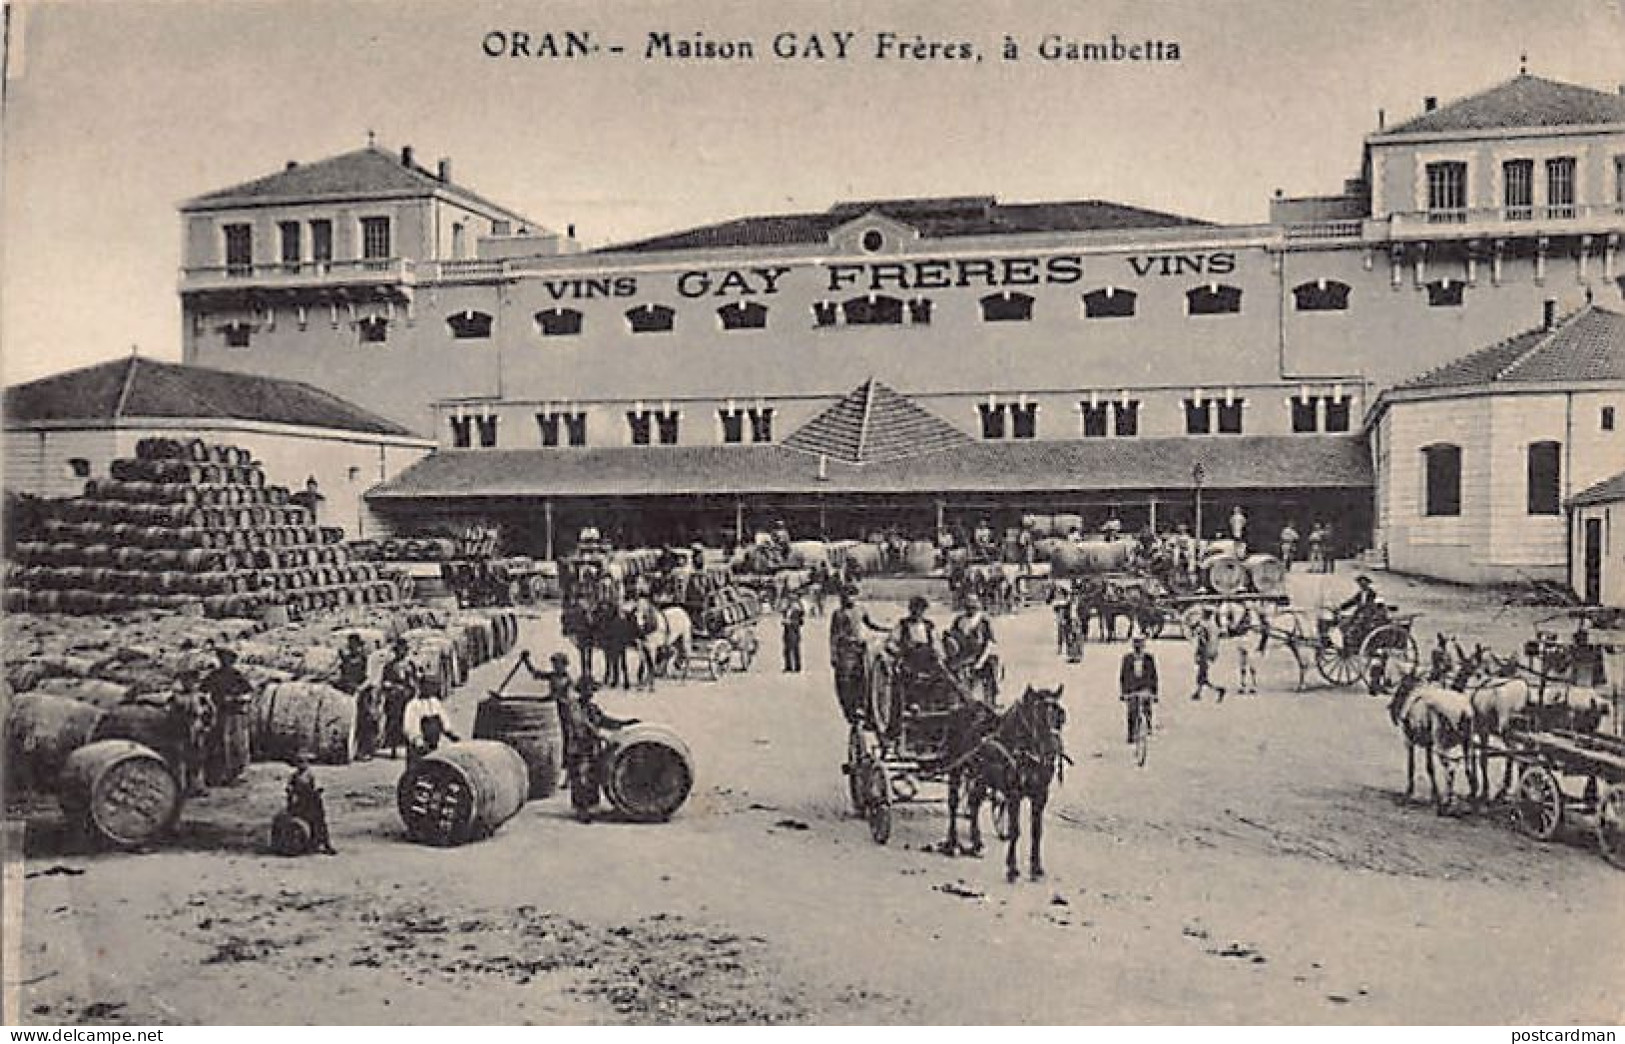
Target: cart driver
(1361,610)
(915,639)
(977,652)
(982,539)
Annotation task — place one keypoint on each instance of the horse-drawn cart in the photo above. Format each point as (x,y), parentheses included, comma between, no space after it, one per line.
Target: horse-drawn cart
(724,636)
(1563,773)
(1379,651)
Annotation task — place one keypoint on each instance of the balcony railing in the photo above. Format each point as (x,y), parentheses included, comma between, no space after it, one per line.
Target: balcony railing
(293,274)
(1515,220)
(1340,228)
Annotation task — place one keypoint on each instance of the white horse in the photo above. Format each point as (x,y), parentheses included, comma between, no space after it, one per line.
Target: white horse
(664,639)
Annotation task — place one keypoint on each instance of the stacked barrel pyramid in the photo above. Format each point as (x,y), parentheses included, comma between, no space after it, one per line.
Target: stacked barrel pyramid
(186,523)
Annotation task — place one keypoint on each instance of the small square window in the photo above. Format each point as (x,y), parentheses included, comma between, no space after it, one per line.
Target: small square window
(373,330)
(78,467)
(238,335)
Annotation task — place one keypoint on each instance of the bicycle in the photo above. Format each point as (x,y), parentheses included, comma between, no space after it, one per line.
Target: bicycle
(1140,724)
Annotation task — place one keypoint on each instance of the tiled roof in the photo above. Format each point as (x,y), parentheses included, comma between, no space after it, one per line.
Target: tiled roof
(932,218)
(1588,345)
(365,172)
(1241,462)
(872,423)
(1607,491)
(134,387)
(1524,101)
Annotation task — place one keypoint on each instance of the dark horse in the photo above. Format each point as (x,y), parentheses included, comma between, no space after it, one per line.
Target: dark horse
(1014,753)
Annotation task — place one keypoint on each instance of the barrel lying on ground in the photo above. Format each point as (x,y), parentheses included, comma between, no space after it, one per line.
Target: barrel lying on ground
(41,731)
(530,725)
(119,792)
(462,792)
(309,718)
(646,772)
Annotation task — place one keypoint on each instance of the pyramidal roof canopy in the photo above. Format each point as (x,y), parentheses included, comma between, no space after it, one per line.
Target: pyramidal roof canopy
(364,173)
(1587,345)
(1524,101)
(872,423)
(135,387)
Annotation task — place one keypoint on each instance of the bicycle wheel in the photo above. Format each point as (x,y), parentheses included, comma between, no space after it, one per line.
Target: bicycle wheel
(1142,735)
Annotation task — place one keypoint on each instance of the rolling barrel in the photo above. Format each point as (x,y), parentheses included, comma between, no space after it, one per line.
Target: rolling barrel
(41,731)
(646,772)
(531,727)
(1267,573)
(1225,574)
(119,792)
(461,792)
(310,718)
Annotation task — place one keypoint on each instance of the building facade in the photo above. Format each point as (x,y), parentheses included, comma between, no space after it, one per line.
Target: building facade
(1597,553)
(1070,322)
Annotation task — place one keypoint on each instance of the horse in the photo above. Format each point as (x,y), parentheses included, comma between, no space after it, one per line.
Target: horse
(1435,719)
(664,638)
(1015,753)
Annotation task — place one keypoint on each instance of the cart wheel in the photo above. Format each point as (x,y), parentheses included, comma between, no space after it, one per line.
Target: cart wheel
(678,667)
(1611,825)
(1537,808)
(718,658)
(882,698)
(999,808)
(856,767)
(1189,618)
(1151,623)
(1391,656)
(1337,665)
(878,800)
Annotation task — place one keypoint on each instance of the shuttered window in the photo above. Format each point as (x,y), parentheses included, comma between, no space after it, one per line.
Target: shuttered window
(1441,476)
(1545,478)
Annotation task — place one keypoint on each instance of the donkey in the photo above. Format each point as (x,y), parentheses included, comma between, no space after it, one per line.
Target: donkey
(1435,719)
(1016,753)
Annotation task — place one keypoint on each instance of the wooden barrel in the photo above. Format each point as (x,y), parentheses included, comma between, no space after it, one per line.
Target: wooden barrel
(290,835)
(95,691)
(1267,574)
(1104,556)
(1049,549)
(646,772)
(1040,525)
(531,727)
(1225,573)
(302,717)
(42,729)
(119,792)
(149,724)
(866,559)
(462,792)
(808,553)
(920,558)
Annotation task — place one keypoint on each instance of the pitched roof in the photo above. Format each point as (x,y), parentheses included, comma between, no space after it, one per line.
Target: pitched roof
(1588,345)
(872,423)
(935,218)
(1607,491)
(135,387)
(365,172)
(1523,101)
(1241,462)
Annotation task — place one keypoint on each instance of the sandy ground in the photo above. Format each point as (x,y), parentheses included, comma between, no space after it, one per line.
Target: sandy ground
(1263,867)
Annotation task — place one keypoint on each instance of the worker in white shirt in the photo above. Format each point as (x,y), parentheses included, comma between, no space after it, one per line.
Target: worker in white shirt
(425,724)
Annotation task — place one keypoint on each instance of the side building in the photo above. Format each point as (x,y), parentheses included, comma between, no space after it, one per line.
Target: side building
(62,430)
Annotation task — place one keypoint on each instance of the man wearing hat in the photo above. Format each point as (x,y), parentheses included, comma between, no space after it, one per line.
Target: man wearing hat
(233,699)
(1361,608)
(975,649)
(1205,635)
(1137,680)
(399,684)
(582,722)
(846,652)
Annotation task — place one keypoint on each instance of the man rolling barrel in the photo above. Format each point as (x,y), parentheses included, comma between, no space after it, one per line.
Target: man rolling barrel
(305,804)
(846,653)
(581,722)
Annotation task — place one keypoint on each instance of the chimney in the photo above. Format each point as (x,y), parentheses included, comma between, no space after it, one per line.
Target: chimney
(1382,118)
(291,164)
(1548,314)
(443,169)
(570,231)
(1430,103)
(406,155)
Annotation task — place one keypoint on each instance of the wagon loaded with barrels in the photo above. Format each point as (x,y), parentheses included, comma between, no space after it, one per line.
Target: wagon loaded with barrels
(1562,774)
(724,616)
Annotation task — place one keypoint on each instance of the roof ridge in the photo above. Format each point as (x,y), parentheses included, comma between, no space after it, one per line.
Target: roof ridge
(868,412)
(124,389)
(1541,343)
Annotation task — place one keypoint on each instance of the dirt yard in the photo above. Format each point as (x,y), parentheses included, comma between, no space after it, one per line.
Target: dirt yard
(1262,868)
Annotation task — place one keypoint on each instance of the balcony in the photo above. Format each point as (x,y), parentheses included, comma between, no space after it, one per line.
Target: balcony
(394,275)
(1493,222)
(1337,228)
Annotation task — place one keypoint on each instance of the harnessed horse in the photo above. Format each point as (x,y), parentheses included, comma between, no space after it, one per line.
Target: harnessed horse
(663,638)
(1016,753)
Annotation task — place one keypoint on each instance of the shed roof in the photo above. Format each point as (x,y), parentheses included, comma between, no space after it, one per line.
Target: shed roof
(1608,491)
(137,387)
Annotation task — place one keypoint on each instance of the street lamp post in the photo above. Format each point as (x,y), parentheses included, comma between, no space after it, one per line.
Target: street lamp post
(1198,473)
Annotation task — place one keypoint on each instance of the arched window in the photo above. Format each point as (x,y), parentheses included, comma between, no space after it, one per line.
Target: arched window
(825,313)
(558,322)
(1545,474)
(1213,299)
(78,467)
(1109,303)
(1007,307)
(873,311)
(237,334)
(469,325)
(919,311)
(1441,478)
(1445,293)
(743,315)
(1322,295)
(649,318)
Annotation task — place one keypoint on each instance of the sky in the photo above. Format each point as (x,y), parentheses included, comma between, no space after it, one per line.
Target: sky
(116,111)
